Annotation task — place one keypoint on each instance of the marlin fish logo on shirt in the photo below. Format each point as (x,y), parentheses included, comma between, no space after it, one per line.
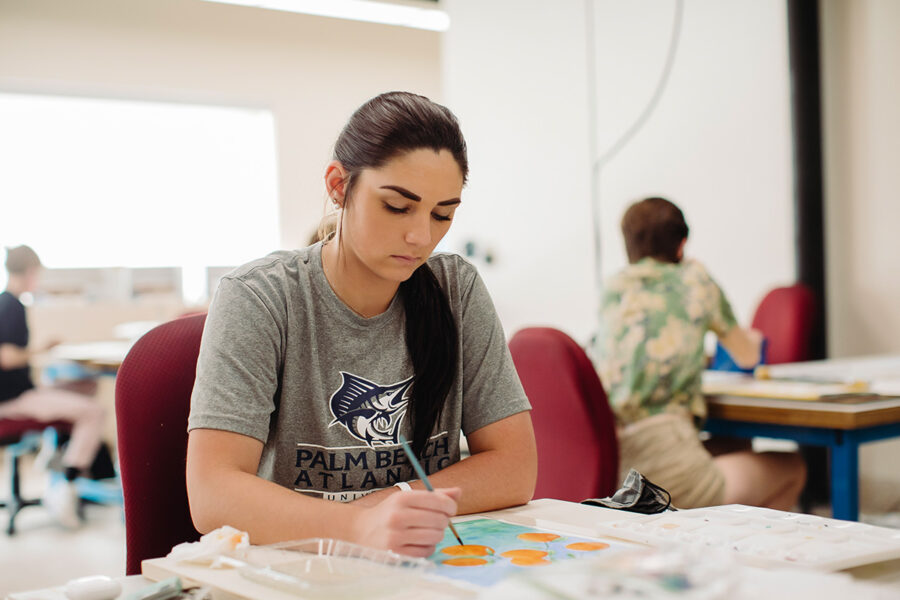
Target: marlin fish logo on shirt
(370,412)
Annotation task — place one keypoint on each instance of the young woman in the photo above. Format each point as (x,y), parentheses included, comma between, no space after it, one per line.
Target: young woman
(314,361)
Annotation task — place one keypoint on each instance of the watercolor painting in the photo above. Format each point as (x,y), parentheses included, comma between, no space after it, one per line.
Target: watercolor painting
(494,550)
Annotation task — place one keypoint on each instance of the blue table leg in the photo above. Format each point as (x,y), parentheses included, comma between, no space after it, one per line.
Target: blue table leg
(844,450)
(845,477)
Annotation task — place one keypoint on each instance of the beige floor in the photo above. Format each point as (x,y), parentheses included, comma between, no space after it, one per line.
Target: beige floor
(43,554)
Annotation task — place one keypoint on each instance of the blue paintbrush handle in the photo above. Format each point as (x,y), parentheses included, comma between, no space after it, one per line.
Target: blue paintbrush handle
(415,463)
(421,473)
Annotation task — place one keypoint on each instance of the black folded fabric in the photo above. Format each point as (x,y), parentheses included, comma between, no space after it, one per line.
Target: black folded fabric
(637,494)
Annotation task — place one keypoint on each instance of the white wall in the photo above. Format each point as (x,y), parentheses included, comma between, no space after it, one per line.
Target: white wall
(861,82)
(514,74)
(861,79)
(718,144)
(312,72)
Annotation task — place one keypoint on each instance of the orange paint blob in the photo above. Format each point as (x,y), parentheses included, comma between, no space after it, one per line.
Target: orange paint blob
(468,550)
(465,562)
(537,537)
(587,546)
(530,562)
(523,553)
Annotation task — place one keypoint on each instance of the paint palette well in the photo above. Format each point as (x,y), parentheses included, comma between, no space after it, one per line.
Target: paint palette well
(763,536)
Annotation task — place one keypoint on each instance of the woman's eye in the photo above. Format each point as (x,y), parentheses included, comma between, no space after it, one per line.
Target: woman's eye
(396,209)
(438,217)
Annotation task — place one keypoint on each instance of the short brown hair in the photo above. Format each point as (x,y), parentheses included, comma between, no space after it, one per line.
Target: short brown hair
(653,227)
(21,258)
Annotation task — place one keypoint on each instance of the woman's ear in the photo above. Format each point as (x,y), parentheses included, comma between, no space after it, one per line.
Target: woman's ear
(335,178)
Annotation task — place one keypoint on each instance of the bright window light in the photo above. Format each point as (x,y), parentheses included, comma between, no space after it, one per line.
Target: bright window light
(358,10)
(105,183)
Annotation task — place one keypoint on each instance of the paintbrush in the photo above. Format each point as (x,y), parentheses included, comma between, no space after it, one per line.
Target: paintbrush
(421,473)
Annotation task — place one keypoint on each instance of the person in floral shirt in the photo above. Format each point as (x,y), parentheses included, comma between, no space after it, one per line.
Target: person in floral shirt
(649,353)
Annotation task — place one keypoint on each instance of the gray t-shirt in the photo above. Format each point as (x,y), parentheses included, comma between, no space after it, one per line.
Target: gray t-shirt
(285,361)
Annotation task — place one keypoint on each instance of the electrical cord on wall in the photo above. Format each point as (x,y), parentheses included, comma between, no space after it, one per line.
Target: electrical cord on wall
(599,161)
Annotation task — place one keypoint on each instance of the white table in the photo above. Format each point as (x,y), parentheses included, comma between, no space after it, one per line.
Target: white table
(555,515)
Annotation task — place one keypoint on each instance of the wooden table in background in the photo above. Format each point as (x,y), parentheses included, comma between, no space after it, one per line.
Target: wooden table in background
(840,427)
(104,356)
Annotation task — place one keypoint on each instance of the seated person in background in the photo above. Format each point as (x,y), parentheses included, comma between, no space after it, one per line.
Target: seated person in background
(314,361)
(650,357)
(20,399)
(325,230)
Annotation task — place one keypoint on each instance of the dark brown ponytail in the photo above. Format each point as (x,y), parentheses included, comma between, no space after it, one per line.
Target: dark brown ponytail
(431,339)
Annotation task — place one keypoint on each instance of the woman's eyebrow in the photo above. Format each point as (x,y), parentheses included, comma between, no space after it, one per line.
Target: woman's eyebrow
(416,198)
(403,192)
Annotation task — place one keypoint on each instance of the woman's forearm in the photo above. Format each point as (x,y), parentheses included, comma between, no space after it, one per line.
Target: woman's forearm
(224,489)
(490,480)
(502,470)
(267,511)
(410,523)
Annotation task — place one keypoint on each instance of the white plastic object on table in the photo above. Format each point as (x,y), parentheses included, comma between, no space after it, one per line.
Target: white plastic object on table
(93,587)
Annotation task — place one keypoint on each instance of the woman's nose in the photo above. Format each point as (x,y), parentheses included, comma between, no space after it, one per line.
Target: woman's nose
(419,232)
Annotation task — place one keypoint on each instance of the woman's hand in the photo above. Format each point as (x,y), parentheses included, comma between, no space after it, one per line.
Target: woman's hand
(411,522)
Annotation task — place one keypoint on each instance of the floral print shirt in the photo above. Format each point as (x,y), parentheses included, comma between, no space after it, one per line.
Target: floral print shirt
(649,347)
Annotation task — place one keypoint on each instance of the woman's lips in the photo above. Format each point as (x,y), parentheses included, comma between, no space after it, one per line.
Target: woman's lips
(407,260)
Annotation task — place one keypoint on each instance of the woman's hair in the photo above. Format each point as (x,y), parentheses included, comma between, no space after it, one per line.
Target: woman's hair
(20,259)
(653,227)
(380,130)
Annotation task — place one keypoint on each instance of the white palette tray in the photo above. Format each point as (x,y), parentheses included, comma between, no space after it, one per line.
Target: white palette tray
(760,536)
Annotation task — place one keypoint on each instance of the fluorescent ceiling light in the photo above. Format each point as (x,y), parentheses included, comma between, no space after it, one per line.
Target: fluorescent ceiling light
(358,10)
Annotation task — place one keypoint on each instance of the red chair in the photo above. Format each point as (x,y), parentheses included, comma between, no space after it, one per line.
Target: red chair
(578,453)
(19,437)
(153,391)
(785,317)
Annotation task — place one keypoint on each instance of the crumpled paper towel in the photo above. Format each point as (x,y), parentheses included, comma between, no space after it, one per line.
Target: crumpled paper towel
(212,547)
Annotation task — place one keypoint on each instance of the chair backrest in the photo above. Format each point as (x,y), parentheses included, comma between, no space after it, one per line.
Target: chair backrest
(785,317)
(578,453)
(153,391)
